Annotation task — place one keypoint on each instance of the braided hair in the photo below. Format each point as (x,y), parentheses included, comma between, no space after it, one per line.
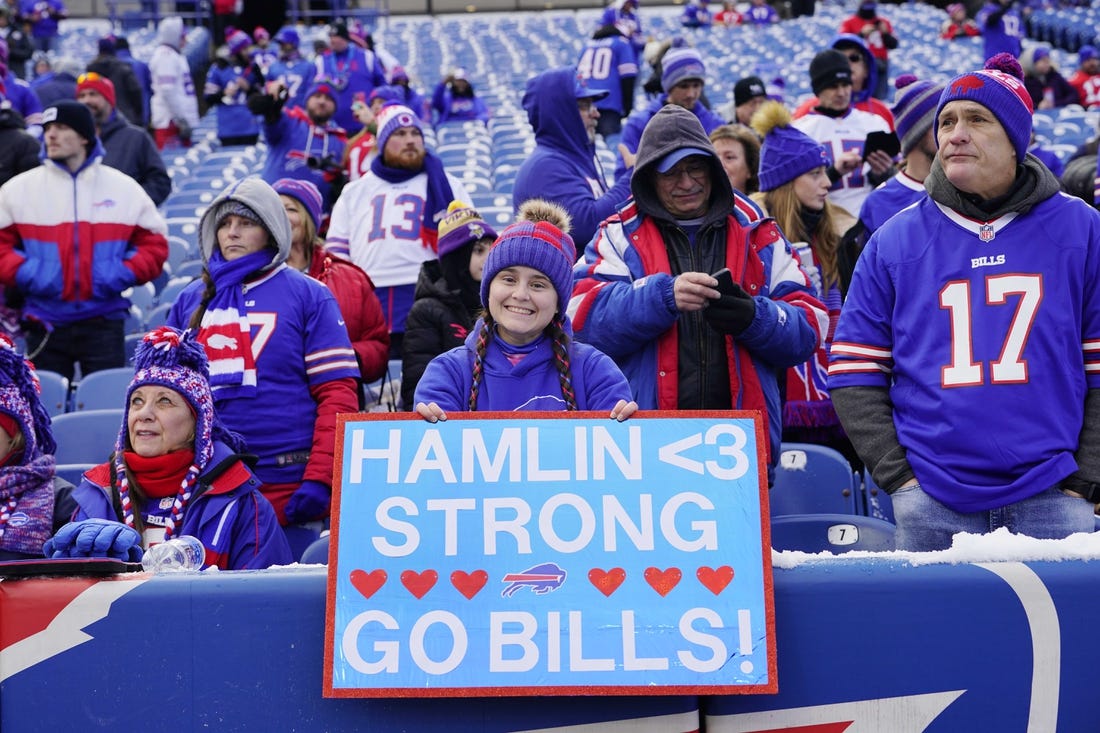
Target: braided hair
(539,239)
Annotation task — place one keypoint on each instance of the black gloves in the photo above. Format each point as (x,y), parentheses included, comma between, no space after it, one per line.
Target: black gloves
(731,314)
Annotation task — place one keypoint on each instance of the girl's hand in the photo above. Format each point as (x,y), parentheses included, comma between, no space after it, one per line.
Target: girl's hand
(623,409)
(434,413)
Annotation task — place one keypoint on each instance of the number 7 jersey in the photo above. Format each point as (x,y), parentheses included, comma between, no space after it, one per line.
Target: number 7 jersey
(987,335)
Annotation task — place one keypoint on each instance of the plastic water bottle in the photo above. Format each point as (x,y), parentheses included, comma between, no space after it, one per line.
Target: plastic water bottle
(179,553)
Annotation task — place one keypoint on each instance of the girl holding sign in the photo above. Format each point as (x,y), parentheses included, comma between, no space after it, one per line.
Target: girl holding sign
(521,355)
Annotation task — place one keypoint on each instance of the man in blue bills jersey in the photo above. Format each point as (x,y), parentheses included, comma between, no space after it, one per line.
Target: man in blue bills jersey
(966,364)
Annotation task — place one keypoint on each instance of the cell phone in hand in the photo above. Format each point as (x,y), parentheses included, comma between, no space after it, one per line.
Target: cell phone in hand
(725,284)
(879,140)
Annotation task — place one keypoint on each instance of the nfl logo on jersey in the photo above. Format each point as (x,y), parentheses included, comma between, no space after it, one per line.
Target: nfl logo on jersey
(986,233)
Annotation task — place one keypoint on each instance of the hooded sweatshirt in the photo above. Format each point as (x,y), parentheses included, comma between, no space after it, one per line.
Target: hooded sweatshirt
(563,168)
(173,89)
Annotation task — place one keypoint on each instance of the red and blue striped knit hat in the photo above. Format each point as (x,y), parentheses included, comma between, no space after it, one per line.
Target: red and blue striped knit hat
(999,87)
(539,245)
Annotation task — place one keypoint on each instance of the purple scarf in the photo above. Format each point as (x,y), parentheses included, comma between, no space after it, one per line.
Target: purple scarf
(26,505)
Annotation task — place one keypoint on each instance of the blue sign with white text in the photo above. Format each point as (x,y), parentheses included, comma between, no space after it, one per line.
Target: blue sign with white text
(551,554)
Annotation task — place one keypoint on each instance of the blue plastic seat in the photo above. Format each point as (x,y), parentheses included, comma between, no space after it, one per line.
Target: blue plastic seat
(812,479)
(317,552)
(55,392)
(102,390)
(87,436)
(836,533)
(876,501)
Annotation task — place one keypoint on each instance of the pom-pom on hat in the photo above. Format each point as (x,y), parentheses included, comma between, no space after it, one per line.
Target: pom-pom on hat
(97,83)
(73,114)
(787,152)
(829,68)
(236,40)
(539,239)
(681,63)
(305,192)
(914,109)
(999,87)
(461,226)
(392,118)
(169,358)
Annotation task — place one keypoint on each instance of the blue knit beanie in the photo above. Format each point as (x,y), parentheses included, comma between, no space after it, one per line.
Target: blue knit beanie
(681,63)
(914,109)
(999,87)
(787,152)
(539,245)
(304,191)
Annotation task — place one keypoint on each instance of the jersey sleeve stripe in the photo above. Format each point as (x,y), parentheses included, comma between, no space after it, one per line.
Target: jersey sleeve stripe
(334,365)
(844,348)
(327,353)
(858,367)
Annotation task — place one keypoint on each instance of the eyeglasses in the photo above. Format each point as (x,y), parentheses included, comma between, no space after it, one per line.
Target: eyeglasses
(696,170)
(855,58)
(90,76)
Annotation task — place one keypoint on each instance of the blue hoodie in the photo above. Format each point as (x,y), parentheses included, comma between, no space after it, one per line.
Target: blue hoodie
(563,167)
(850,39)
(532,383)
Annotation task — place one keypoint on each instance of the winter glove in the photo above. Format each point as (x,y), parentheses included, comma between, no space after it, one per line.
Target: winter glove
(731,314)
(183,129)
(95,538)
(309,502)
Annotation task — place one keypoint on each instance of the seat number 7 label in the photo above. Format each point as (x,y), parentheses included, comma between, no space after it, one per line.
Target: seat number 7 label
(1025,293)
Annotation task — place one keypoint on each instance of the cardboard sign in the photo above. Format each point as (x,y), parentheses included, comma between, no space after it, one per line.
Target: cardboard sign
(550,554)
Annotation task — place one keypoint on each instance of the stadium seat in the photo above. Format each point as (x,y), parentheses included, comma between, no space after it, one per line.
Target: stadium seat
(55,392)
(812,479)
(317,552)
(158,316)
(72,472)
(301,536)
(836,533)
(172,290)
(102,390)
(87,436)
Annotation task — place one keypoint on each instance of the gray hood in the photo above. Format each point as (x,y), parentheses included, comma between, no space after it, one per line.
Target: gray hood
(257,195)
(672,128)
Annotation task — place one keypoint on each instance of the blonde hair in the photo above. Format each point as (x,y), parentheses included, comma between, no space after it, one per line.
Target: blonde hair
(783,205)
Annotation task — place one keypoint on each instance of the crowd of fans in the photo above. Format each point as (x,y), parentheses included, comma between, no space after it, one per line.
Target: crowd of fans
(714,269)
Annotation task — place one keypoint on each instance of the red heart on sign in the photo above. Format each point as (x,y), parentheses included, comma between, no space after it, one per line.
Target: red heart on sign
(606,582)
(419,583)
(715,580)
(368,583)
(469,584)
(662,581)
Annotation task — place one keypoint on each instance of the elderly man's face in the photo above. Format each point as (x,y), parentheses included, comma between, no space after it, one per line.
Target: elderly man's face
(975,152)
(684,190)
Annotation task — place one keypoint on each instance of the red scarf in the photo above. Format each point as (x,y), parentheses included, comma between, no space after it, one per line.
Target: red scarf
(160,476)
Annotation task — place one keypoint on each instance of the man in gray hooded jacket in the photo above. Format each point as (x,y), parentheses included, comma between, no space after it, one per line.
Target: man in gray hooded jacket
(646,294)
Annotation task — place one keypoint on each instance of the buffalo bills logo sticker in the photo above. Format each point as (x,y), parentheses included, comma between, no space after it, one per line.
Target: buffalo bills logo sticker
(541,579)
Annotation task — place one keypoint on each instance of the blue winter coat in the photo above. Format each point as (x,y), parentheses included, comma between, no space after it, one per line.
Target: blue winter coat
(236,524)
